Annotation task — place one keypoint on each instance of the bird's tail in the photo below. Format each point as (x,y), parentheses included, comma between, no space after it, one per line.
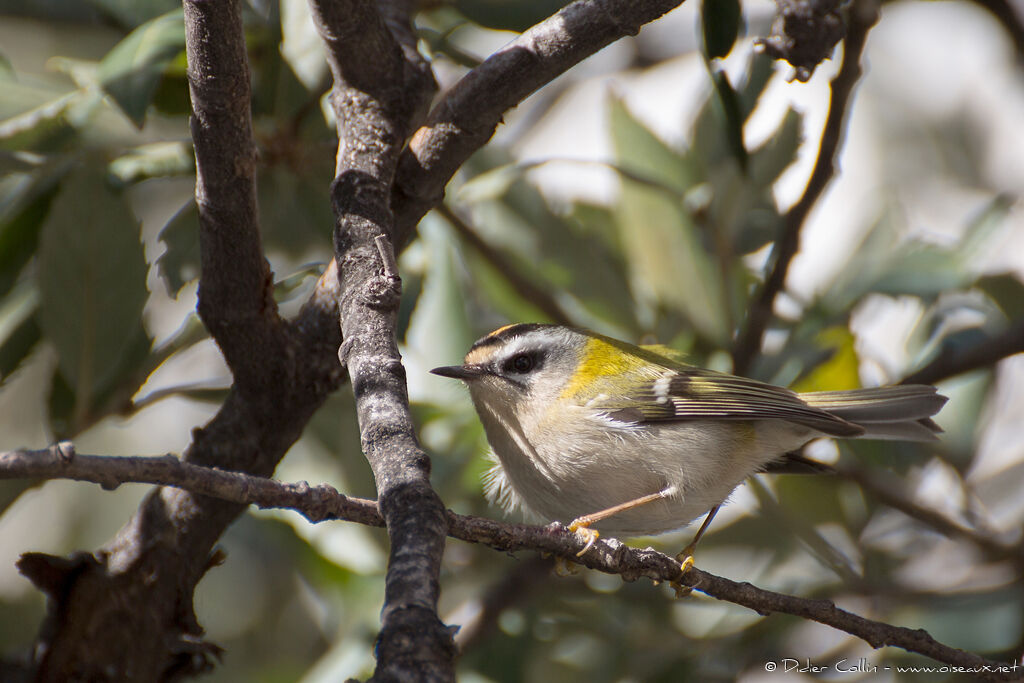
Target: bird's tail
(901,412)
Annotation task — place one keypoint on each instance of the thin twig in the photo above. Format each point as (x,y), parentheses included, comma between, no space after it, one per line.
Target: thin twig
(316,504)
(530,292)
(606,555)
(951,362)
(863,15)
(889,494)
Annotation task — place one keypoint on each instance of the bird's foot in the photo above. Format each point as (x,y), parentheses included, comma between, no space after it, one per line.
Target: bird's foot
(588,536)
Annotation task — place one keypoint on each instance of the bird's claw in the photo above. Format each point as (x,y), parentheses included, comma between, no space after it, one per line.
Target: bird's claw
(584,533)
(685,559)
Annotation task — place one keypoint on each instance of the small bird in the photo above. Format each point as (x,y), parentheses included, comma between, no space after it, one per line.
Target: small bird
(630,441)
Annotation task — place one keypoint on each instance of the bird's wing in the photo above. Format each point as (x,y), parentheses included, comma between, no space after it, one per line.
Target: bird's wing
(686,393)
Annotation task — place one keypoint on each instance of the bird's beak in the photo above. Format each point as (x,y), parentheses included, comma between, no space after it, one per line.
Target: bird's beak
(463,372)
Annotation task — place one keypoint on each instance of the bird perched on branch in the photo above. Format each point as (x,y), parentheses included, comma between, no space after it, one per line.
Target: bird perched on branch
(630,441)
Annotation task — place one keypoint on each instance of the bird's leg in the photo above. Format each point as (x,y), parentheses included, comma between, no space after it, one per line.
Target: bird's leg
(581,525)
(685,556)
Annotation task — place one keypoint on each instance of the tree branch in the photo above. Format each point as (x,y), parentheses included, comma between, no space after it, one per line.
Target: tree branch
(951,362)
(236,300)
(125,611)
(377,93)
(149,570)
(888,493)
(804,34)
(607,555)
(60,461)
(466,117)
(862,16)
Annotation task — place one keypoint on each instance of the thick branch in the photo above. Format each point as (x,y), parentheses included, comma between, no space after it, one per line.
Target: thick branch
(469,112)
(125,612)
(609,556)
(377,92)
(235,286)
(862,16)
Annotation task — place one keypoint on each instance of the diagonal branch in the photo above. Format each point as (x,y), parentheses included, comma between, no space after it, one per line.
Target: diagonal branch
(609,556)
(889,493)
(862,16)
(466,117)
(378,90)
(951,362)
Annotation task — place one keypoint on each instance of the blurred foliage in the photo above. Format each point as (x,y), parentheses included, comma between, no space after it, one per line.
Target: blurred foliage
(98,242)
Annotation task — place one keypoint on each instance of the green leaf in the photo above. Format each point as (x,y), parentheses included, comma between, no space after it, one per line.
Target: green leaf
(921,270)
(668,265)
(156,160)
(92,280)
(992,627)
(760,70)
(295,213)
(731,116)
(60,404)
(1005,289)
(720,20)
(132,70)
(51,125)
(6,70)
(20,222)
(439,323)
(491,184)
(769,160)
(179,264)
(19,330)
(13,163)
(17,347)
(980,231)
(810,497)
(134,12)
(641,152)
(885,265)
(841,370)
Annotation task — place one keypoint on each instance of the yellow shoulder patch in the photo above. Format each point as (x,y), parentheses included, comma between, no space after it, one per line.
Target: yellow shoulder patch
(601,359)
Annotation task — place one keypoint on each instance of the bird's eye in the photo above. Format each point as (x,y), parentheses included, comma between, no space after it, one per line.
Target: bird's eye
(521,363)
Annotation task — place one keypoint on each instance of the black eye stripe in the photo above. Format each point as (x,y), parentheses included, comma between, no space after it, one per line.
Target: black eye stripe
(522,362)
